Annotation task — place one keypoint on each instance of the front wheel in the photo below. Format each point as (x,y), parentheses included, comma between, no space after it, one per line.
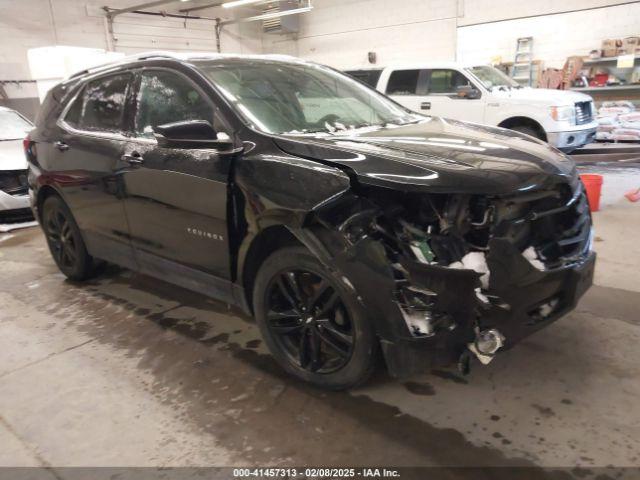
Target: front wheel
(312,323)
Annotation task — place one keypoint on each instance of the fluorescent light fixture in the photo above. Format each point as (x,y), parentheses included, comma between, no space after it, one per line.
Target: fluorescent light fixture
(266,16)
(237,3)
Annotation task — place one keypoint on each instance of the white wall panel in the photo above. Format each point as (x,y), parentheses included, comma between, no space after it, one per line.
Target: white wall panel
(133,32)
(341,32)
(555,37)
(478,11)
(26,24)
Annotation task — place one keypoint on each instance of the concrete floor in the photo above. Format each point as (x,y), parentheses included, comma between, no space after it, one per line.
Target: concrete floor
(131,371)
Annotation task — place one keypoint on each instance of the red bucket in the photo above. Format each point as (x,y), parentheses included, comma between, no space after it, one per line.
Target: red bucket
(593,185)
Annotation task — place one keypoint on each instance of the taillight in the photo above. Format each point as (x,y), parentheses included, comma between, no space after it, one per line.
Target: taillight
(29,148)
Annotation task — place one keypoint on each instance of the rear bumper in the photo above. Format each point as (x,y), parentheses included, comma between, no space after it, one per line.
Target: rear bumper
(514,309)
(571,139)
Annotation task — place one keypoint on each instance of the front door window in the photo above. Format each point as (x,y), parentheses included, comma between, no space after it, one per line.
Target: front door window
(165,97)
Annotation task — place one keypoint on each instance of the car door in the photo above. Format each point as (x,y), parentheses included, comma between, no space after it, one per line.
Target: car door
(408,87)
(176,199)
(443,99)
(83,159)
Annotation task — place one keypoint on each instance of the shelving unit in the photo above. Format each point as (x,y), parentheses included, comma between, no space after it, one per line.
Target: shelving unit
(595,61)
(627,91)
(607,89)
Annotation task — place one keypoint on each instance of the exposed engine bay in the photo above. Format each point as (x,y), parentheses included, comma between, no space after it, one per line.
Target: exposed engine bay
(428,237)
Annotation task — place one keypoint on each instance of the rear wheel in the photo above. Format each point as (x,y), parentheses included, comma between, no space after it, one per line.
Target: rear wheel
(65,241)
(311,322)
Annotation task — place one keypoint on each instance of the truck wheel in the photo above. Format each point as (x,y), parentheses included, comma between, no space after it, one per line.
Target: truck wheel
(311,322)
(64,240)
(528,131)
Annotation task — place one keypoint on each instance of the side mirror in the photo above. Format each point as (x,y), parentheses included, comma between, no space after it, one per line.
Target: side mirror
(190,134)
(467,91)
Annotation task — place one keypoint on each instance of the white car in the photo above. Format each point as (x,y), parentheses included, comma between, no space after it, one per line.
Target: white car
(14,198)
(483,94)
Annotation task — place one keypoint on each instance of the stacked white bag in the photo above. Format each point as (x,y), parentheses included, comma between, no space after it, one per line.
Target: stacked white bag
(618,121)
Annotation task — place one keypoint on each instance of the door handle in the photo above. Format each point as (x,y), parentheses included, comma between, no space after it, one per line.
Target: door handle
(60,145)
(425,105)
(133,158)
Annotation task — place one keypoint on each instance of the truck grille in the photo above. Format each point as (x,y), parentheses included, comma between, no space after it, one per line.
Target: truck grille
(584,112)
(13,182)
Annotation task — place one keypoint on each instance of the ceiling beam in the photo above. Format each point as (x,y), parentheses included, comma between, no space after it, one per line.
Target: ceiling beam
(111,12)
(201,7)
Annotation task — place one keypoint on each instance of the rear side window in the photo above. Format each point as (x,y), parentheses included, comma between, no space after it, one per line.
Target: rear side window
(403,82)
(166,97)
(103,104)
(446,81)
(370,77)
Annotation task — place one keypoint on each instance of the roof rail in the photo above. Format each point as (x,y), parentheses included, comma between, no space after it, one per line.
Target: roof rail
(185,56)
(124,61)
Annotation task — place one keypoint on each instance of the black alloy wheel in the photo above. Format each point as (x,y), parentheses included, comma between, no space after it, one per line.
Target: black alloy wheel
(63,245)
(312,322)
(64,240)
(309,321)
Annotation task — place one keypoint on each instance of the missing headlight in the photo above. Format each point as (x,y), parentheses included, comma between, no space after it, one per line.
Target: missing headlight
(418,307)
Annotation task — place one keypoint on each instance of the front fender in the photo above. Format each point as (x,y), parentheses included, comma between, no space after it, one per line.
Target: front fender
(276,190)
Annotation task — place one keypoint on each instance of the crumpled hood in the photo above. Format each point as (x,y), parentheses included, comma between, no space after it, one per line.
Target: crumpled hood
(12,155)
(542,95)
(439,155)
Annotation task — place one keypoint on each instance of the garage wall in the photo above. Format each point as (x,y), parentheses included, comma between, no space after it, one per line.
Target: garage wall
(27,24)
(555,36)
(479,11)
(341,32)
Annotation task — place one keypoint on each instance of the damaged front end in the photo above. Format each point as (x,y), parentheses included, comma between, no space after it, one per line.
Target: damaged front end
(446,275)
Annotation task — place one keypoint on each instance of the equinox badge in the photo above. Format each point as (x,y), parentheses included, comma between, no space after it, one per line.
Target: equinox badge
(202,233)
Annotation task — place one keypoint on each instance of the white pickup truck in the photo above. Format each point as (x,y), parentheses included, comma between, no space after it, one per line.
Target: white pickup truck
(483,94)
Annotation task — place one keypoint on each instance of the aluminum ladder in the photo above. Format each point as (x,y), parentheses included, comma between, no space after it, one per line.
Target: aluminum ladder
(522,65)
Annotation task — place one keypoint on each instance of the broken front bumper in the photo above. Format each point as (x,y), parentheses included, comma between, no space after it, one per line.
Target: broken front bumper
(521,301)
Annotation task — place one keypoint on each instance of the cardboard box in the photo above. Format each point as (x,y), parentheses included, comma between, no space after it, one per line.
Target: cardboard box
(630,45)
(610,47)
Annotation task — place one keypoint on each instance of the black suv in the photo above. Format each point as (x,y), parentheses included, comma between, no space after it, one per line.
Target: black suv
(346,224)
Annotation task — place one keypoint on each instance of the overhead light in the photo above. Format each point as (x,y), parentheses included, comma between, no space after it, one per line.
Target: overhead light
(284,13)
(237,3)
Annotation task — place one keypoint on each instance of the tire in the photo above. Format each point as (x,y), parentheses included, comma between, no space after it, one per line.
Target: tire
(528,131)
(312,323)
(65,241)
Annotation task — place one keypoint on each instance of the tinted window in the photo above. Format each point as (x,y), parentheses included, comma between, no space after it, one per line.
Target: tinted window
(370,77)
(403,82)
(166,97)
(104,103)
(297,97)
(446,81)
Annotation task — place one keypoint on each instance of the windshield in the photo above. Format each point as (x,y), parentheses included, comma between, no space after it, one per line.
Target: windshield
(13,126)
(491,77)
(278,97)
